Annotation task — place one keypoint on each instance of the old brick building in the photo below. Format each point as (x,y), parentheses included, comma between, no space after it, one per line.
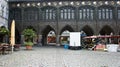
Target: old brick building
(94,17)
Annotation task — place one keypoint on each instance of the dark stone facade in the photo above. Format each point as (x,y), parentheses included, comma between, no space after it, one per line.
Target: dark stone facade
(82,15)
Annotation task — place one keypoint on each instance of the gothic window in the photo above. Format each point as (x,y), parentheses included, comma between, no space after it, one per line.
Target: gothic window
(67,13)
(105,13)
(91,14)
(111,15)
(85,13)
(31,14)
(48,13)
(73,14)
(62,15)
(80,14)
(99,14)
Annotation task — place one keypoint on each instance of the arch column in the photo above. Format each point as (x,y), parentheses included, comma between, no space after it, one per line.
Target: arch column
(22,19)
(57,24)
(22,40)
(116,21)
(96,29)
(39,40)
(58,40)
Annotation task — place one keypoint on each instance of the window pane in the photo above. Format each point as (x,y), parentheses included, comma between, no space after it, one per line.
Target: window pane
(99,12)
(53,15)
(65,14)
(69,14)
(88,14)
(111,15)
(107,14)
(46,16)
(61,14)
(91,14)
(50,14)
(73,14)
(103,13)
(84,13)
(80,14)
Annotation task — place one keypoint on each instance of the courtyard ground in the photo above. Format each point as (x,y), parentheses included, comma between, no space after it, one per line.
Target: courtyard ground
(59,57)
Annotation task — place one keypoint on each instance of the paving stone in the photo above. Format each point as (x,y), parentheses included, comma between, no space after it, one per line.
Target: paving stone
(59,57)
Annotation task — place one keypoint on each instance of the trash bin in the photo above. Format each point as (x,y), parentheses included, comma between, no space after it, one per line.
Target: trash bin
(66,46)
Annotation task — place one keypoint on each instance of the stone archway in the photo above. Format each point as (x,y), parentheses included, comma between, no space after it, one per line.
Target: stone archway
(88,30)
(51,38)
(67,27)
(106,30)
(64,34)
(45,33)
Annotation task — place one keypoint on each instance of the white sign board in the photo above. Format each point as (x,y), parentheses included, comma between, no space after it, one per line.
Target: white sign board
(75,39)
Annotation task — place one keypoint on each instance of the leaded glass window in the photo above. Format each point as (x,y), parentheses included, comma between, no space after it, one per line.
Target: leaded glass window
(31,14)
(48,14)
(105,13)
(67,13)
(85,13)
(100,13)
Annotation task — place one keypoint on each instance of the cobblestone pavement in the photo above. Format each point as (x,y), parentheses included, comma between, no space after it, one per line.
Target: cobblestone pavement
(60,57)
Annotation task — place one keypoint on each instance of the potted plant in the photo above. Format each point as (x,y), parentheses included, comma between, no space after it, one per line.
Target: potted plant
(29,34)
(3,32)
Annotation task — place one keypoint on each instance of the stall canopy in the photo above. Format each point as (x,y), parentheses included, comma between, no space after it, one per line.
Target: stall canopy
(103,36)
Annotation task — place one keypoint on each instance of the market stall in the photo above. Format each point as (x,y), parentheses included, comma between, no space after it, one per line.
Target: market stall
(104,42)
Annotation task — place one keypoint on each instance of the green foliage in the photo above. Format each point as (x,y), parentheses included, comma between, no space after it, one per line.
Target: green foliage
(4,31)
(29,43)
(29,33)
